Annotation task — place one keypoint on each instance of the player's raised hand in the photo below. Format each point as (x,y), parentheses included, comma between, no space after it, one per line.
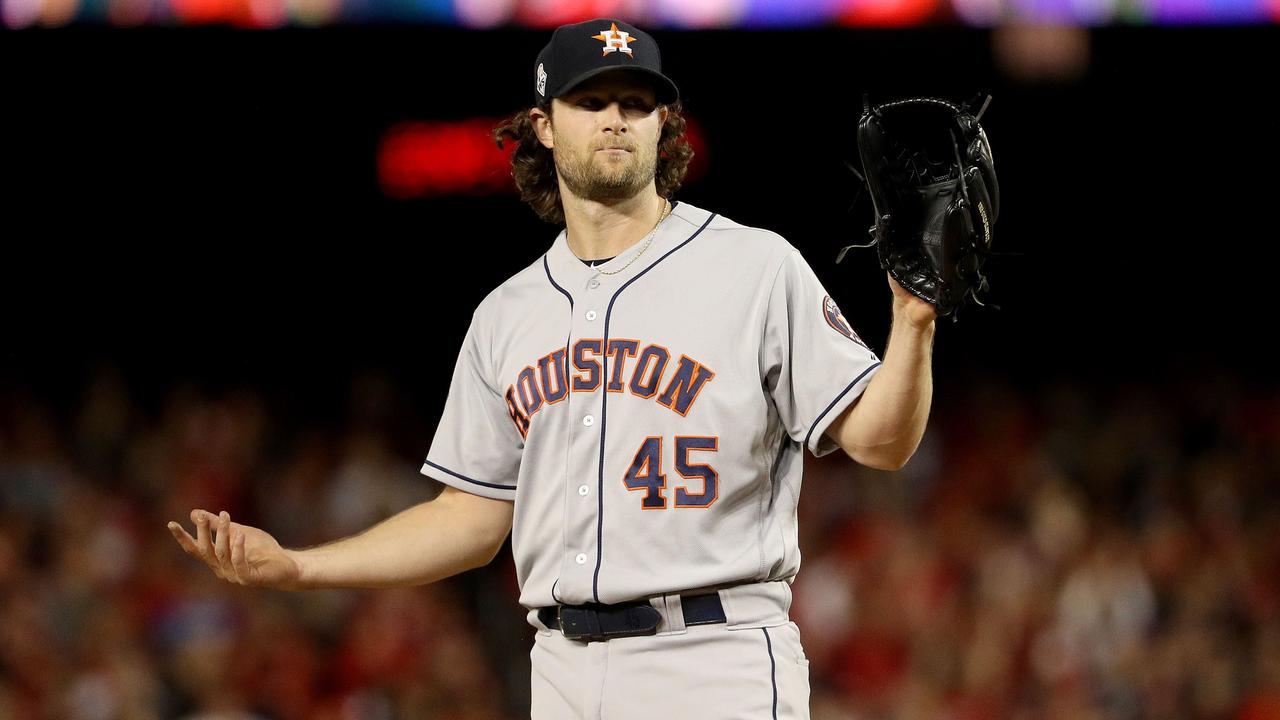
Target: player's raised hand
(238,553)
(906,305)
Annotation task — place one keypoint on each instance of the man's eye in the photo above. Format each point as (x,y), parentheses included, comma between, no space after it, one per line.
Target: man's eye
(630,102)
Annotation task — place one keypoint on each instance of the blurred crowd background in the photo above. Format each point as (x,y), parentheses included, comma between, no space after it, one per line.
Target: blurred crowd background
(1068,551)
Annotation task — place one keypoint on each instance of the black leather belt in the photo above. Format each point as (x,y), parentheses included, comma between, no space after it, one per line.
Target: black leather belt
(597,621)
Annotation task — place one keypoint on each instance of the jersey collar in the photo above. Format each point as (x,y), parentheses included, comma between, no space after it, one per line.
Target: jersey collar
(674,230)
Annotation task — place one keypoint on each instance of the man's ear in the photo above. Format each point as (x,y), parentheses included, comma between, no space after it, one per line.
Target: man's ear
(541,121)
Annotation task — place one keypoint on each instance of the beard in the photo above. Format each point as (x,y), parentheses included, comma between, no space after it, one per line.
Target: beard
(592,176)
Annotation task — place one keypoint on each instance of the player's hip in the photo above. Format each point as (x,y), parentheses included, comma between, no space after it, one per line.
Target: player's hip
(702,671)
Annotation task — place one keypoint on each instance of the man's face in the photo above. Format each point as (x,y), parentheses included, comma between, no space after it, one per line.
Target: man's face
(612,110)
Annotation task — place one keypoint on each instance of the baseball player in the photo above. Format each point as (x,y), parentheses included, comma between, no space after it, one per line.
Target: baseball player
(633,407)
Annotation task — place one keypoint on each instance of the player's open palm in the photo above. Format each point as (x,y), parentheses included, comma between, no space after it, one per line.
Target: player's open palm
(238,553)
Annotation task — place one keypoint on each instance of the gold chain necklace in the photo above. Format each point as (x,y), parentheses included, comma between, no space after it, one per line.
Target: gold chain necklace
(649,240)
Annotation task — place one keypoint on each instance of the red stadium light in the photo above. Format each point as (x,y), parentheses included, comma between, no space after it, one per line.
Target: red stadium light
(417,159)
(199,12)
(887,13)
(435,159)
(544,14)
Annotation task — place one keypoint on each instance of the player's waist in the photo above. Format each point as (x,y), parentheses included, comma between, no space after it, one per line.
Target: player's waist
(748,604)
(599,621)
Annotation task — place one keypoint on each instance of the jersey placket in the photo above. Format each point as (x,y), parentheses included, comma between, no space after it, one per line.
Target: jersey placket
(583,442)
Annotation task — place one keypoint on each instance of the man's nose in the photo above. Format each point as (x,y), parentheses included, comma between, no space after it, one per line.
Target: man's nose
(614,117)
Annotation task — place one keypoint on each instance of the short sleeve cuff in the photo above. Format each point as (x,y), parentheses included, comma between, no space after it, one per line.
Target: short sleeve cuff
(817,440)
(496,491)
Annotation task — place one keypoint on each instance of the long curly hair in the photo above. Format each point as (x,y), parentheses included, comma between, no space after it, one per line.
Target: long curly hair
(533,166)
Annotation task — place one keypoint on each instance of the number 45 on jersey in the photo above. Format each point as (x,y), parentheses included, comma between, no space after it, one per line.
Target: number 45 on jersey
(646,473)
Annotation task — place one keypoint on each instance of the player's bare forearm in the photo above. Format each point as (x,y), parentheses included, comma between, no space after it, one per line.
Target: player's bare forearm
(455,532)
(884,427)
(451,534)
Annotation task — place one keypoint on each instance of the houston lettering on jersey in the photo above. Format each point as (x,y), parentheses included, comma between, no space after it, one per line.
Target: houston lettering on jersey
(638,370)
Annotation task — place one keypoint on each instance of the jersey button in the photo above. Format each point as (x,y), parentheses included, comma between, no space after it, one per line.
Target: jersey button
(591,314)
(593,284)
(582,558)
(588,421)
(583,490)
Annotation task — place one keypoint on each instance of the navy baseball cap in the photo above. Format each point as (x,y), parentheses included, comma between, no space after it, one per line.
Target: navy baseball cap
(586,49)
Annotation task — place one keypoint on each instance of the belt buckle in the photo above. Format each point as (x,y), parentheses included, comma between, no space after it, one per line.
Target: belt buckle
(572,635)
(593,624)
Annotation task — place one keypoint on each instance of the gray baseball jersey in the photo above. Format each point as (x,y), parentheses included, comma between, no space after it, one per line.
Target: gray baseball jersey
(650,424)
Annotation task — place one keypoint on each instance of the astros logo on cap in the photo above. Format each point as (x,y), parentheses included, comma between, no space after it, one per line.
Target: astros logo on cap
(615,40)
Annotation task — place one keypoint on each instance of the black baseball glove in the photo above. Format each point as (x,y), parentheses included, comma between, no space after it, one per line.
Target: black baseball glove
(927,164)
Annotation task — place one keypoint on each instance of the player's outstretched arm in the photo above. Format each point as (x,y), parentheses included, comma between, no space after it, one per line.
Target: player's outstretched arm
(884,427)
(455,532)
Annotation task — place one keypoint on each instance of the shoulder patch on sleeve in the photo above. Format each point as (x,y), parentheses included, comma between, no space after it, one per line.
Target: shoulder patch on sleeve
(836,320)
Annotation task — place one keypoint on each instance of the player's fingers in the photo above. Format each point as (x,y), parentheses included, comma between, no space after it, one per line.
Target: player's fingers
(238,563)
(184,539)
(205,547)
(222,541)
(204,540)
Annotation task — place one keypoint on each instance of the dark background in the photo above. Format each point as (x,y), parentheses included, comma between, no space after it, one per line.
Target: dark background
(204,201)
